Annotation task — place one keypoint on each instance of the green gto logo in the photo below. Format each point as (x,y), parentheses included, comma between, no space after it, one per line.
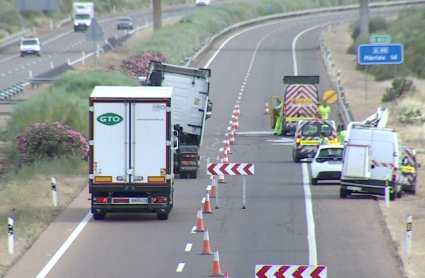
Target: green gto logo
(110,119)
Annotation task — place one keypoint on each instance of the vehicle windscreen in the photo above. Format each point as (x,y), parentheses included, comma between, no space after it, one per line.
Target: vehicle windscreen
(82,16)
(125,20)
(30,42)
(313,130)
(331,153)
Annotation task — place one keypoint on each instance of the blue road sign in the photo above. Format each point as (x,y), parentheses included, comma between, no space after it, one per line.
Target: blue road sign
(380,54)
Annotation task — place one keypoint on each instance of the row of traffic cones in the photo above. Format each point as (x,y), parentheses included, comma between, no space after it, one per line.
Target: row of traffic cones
(206,248)
(266,109)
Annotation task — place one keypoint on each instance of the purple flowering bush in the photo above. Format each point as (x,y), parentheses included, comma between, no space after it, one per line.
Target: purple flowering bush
(138,64)
(50,140)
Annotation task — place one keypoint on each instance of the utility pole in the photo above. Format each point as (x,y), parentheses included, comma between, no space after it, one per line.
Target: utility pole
(364,17)
(157,15)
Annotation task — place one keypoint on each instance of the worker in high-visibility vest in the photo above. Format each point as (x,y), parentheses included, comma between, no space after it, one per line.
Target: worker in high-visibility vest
(324,110)
(278,124)
(341,135)
(323,139)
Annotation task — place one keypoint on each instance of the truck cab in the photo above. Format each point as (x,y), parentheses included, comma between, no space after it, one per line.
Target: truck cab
(83,13)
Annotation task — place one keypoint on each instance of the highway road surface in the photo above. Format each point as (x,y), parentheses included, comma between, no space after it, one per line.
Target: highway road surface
(286,220)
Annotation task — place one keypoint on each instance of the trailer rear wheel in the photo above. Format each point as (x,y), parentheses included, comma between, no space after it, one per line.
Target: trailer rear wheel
(162,216)
(193,175)
(99,216)
(343,193)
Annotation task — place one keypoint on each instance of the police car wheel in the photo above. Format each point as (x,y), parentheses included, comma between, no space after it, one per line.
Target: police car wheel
(314,181)
(162,216)
(99,216)
(343,193)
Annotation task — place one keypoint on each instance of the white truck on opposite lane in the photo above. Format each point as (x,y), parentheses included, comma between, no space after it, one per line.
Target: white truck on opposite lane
(83,14)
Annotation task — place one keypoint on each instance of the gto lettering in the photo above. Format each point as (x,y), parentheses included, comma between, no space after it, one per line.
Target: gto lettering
(110,119)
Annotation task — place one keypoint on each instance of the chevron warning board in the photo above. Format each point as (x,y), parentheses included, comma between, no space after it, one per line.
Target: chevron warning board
(290,271)
(232,169)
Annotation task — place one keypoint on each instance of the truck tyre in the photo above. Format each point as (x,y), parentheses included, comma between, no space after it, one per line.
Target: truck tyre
(314,181)
(184,175)
(99,216)
(193,175)
(162,216)
(343,193)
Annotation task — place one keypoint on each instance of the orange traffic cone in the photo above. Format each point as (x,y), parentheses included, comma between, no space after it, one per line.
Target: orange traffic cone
(226,274)
(228,145)
(238,110)
(225,157)
(221,179)
(213,189)
(232,137)
(207,204)
(206,250)
(235,122)
(266,109)
(200,224)
(216,271)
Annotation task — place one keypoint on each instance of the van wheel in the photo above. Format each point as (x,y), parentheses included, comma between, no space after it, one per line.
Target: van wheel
(399,194)
(99,216)
(296,157)
(314,181)
(343,193)
(162,216)
(393,196)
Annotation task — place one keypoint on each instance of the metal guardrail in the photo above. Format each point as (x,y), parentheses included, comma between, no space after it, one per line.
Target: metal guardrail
(12,91)
(13,38)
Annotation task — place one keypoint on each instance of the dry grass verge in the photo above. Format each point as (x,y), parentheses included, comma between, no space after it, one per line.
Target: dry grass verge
(338,40)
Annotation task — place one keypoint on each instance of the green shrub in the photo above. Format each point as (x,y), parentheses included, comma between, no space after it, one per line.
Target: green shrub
(399,87)
(48,140)
(376,24)
(413,117)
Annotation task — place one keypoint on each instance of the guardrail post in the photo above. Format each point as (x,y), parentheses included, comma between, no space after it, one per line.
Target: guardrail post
(51,25)
(115,10)
(51,65)
(329,25)
(329,61)
(338,78)
(69,61)
(333,69)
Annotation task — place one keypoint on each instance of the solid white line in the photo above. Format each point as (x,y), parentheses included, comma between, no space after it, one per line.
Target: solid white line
(180,267)
(255,132)
(311,230)
(188,247)
(64,247)
(203,200)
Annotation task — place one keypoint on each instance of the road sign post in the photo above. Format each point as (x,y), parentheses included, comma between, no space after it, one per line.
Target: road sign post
(232,169)
(379,54)
(95,34)
(300,271)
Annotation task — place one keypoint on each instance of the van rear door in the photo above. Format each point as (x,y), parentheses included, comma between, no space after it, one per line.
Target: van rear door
(356,162)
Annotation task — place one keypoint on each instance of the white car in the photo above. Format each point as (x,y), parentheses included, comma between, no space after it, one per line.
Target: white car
(327,163)
(203,3)
(30,45)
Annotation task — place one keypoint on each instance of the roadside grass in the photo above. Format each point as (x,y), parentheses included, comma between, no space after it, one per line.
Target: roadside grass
(26,194)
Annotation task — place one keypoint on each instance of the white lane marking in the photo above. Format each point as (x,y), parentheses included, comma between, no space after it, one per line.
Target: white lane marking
(64,247)
(203,200)
(193,231)
(209,188)
(311,230)
(188,247)
(180,267)
(255,133)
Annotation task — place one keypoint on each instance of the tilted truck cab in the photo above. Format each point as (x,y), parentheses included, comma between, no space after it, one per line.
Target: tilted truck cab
(191,108)
(132,149)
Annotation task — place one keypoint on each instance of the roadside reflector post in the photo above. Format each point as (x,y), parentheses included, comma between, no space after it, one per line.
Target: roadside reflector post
(54,192)
(408,242)
(11,241)
(243,192)
(387,194)
(216,191)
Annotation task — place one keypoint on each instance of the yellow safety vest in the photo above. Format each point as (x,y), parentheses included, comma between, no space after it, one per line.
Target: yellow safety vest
(324,111)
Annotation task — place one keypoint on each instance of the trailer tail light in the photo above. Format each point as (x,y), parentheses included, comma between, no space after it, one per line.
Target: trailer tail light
(188,162)
(394,174)
(189,155)
(159,200)
(102,200)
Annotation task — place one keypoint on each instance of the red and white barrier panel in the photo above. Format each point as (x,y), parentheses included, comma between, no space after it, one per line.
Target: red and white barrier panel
(232,169)
(290,271)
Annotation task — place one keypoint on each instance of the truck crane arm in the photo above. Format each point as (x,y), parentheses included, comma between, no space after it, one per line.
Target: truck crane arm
(378,119)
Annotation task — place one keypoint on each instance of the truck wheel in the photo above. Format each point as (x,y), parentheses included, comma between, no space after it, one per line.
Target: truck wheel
(162,216)
(99,216)
(343,193)
(314,181)
(193,175)
(184,175)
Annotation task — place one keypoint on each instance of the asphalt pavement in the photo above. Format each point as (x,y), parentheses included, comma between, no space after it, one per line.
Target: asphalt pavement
(277,226)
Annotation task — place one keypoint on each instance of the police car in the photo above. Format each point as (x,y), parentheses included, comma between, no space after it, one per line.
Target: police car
(327,163)
(30,45)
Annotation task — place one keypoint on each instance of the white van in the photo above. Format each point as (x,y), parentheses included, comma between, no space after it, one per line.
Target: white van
(371,161)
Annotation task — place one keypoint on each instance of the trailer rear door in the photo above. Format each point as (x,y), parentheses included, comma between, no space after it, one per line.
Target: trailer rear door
(149,135)
(110,142)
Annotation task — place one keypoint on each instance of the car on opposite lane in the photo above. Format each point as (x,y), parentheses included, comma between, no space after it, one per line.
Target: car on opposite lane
(125,22)
(30,45)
